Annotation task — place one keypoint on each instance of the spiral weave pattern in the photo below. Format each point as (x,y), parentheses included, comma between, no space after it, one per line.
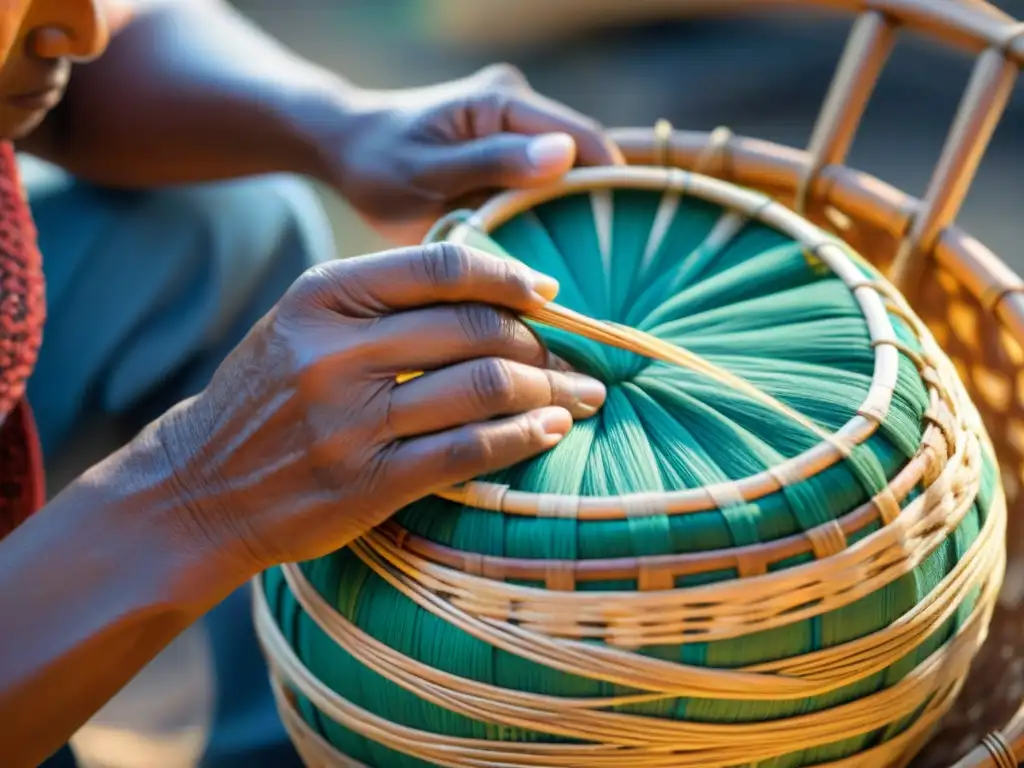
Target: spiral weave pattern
(701,576)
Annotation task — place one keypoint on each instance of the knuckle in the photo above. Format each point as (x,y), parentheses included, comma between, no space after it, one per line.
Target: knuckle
(489,107)
(310,284)
(559,387)
(505,74)
(310,291)
(485,326)
(469,454)
(529,432)
(445,265)
(514,278)
(338,285)
(493,384)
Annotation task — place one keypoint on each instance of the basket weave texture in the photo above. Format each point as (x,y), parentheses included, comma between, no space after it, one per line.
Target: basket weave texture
(972,305)
(475,592)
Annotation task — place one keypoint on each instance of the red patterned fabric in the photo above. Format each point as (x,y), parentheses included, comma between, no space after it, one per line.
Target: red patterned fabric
(22,311)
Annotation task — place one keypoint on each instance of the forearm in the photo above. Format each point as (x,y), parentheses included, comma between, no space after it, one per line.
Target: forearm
(93,587)
(190,91)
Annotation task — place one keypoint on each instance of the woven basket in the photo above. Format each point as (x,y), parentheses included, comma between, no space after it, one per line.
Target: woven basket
(972,305)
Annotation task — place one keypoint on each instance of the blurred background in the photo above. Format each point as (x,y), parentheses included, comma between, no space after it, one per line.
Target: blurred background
(630,62)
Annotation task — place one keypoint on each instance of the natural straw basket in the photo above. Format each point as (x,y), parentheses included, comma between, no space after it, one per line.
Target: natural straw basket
(973,306)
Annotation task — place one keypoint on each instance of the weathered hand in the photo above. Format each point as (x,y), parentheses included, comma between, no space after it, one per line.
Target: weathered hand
(408,156)
(304,441)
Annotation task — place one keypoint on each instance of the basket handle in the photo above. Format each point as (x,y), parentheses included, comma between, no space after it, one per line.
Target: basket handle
(981,108)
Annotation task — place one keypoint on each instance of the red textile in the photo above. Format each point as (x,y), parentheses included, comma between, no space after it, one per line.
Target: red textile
(22,311)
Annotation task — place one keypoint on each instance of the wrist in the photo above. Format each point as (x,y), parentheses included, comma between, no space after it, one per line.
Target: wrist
(135,496)
(322,119)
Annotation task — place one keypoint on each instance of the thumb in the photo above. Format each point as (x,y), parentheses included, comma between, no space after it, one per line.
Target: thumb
(499,161)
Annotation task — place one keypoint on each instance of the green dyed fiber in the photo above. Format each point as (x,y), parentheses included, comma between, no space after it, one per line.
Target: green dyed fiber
(753,306)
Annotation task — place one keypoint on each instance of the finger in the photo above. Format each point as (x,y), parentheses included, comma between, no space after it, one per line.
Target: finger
(405,278)
(438,461)
(436,337)
(503,161)
(482,390)
(532,113)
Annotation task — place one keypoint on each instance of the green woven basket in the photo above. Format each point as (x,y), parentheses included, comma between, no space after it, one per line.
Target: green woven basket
(779,544)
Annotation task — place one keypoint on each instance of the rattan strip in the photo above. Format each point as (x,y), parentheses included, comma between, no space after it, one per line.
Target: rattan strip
(969,28)
(672,616)
(747,560)
(662,137)
(867,49)
(896,753)
(981,108)
(797,677)
(654,348)
(1000,751)
(828,249)
(656,742)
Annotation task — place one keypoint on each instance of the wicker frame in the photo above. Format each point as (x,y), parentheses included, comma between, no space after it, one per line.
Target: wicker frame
(973,304)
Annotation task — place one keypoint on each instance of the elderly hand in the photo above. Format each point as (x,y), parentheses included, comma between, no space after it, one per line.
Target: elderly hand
(303,440)
(406,157)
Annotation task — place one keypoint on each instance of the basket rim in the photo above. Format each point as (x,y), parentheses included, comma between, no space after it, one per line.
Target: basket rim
(674,184)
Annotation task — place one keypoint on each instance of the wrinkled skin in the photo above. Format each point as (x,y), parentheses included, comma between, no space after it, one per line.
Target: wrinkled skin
(409,156)
(303,441)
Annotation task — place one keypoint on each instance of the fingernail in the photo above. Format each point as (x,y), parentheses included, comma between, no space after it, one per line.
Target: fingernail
(552,149)
(544,286)
(590,395)
(555,423)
